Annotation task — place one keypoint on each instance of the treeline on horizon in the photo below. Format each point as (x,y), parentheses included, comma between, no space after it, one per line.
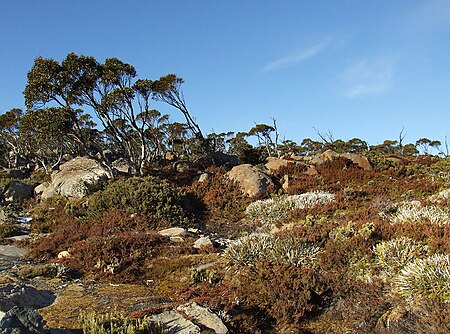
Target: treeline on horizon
(61,97)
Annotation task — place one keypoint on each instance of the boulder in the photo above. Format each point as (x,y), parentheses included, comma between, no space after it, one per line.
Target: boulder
(76,178)
(251,180)
(203,177)
(20,320)
(204,317)
(203,242)
(15,173)
(273,165)
(121,165)
(174,322)
(24,296)
(173,232)
(311,171)
(17,191)
(359,160)
(182,166)
(223,159)
(329,155)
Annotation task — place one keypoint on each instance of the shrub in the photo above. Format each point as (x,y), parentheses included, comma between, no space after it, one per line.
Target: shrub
(414,212)
(262,247)
(49,214)
(117,323)
(394,254)
(148,196)
(274,209)
(8,229)
(428,277)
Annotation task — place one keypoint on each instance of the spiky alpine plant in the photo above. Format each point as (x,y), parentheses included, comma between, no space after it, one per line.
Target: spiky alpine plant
(392,255)
(275,249)
(271,210)
(415,212)
(428,277)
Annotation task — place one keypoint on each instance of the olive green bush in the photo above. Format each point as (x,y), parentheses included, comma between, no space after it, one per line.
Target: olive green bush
(149,196)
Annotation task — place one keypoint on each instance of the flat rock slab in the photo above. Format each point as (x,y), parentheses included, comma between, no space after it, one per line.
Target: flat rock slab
(98,298)
(12,251)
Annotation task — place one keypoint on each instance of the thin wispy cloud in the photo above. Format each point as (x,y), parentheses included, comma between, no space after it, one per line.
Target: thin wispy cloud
(297,57)
(367,77)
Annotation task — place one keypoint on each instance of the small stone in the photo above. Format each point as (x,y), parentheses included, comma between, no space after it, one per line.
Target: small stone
(64,255)
(173,232)
(176,239)
(203,242)
(204,177)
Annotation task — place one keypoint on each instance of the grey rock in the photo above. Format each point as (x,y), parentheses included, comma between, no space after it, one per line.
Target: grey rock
(12,251)
(17,191)
(21,320)
(204,317)
(24,296)
(173,232)
(76,178)
(203,242)
(174,322)
(15,173)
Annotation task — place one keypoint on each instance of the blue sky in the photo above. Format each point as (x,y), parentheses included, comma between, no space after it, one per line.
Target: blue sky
(357,68)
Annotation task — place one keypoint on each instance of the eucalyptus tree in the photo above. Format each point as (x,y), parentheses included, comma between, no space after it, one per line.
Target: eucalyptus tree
(45,132)
(111,92)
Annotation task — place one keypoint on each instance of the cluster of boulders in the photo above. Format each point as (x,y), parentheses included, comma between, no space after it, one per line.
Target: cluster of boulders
(82,176)
(256,182)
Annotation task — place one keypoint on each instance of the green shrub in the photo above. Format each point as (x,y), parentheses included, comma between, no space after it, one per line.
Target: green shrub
(149,196)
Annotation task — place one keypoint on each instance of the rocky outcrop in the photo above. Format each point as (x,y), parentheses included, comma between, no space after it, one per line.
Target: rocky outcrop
(251,180)
(76,178)
(17,191)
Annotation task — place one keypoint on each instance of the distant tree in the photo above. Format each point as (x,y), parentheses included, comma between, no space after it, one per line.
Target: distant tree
(46,134)
(263,134)
(425,144)
(10,136)
(410,150)
(356,145)
(311,147)
(247,154)
(387,147)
